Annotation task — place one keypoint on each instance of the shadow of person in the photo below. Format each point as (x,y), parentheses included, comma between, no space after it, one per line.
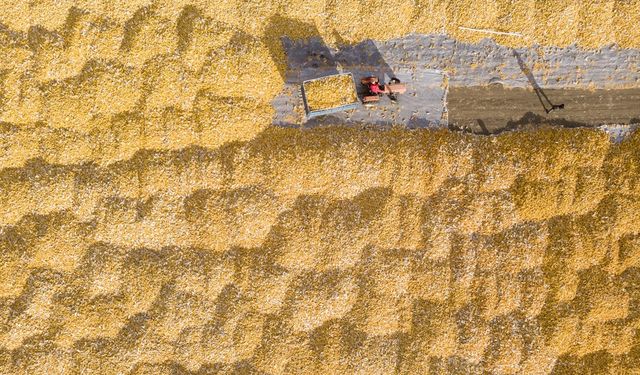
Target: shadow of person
(483,127)
(538,90)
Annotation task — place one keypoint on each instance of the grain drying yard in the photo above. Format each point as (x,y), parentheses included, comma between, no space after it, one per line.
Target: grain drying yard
(459,192)
(482,87)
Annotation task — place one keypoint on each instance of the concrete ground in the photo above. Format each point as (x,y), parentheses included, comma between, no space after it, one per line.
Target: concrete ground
(423,105)
(493,109)
(491,88)
(478,64)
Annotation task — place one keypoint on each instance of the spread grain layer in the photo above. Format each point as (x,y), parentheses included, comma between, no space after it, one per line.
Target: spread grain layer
(152,222)
(330,92)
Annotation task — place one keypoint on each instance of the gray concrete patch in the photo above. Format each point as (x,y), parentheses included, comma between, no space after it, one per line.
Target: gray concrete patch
(421,60)
(494,109)
(423,105)
(551,67)
(618,133)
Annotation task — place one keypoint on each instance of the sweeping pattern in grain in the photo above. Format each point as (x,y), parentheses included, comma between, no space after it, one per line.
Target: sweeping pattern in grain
(153,222)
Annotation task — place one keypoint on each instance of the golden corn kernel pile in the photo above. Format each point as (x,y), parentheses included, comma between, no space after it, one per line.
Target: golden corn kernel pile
(330,92)
(152,221)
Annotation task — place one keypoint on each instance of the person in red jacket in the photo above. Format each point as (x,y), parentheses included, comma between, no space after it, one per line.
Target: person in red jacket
(375,89)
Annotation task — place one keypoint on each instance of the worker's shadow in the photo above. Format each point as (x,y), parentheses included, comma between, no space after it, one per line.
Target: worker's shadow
(547,104)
